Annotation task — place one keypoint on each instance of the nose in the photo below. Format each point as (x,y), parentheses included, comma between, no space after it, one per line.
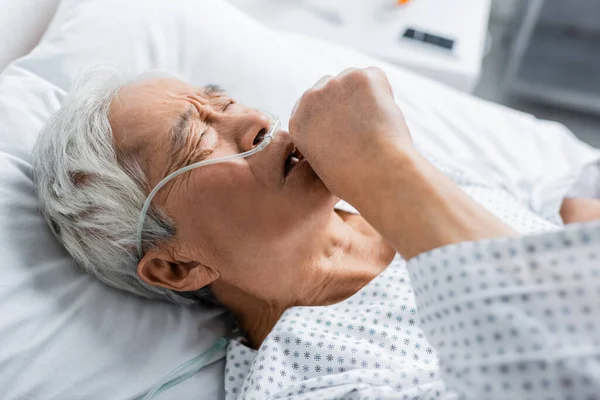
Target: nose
(252,127)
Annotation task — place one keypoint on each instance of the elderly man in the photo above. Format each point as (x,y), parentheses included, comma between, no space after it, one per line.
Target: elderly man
(261,236)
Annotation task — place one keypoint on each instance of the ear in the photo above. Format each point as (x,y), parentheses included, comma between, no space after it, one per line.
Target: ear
(158,268)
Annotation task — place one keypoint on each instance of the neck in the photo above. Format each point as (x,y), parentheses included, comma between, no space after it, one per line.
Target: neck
(348,256)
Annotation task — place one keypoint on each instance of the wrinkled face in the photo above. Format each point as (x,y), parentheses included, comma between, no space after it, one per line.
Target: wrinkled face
(243,221)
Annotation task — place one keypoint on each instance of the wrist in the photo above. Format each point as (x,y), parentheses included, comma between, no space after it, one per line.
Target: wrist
(388,170)
(417,208)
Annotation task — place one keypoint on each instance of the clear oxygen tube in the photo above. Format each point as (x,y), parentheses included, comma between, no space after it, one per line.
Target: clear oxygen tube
(188,369)
(275,125)
(218,350)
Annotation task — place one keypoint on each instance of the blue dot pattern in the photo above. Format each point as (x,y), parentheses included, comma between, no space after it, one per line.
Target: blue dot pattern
(368,346)
(515,318)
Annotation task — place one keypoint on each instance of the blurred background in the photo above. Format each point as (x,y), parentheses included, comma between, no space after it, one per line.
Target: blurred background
(545,60)
(538,56)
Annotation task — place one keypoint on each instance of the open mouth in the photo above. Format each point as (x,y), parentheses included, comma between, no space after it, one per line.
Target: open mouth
(293,159)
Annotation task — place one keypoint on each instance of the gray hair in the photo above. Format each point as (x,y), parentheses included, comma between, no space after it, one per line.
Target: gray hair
(91,194)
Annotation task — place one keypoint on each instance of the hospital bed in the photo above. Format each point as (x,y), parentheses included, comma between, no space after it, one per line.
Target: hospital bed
(64,334)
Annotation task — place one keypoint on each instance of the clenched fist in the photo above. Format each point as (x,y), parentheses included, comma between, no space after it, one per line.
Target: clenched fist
(347,127)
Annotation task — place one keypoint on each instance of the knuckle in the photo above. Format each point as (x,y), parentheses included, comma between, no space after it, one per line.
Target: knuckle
(311,98)
(347,71)
(331,82)
(377,74)
(322,82)
(307,94)
(359,77)
(376,70)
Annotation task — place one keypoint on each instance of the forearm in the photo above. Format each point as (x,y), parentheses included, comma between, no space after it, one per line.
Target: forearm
(417,208)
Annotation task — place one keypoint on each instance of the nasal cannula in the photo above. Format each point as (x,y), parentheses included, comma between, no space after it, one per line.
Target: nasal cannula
(268,137)
(217,351)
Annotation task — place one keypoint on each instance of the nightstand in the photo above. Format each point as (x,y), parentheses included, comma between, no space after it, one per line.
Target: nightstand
(382,29)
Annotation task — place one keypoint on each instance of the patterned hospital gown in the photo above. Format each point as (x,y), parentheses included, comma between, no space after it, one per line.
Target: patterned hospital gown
(503,319)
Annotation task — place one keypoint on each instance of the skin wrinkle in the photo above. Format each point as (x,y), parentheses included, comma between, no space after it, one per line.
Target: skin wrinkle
(182,133)
(179,131)
(179,157)
(261,242)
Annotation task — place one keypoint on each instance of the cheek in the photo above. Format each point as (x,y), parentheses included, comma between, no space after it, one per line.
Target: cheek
(249,210)
(226,200)
(226,209)
(235,208)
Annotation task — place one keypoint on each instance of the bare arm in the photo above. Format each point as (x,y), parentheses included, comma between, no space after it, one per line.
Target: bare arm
(417,208)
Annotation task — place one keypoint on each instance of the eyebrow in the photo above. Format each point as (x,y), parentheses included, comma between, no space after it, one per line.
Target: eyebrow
(179,132)
(212,90)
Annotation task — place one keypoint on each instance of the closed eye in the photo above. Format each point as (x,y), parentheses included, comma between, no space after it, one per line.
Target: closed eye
(181,130)
(230,102)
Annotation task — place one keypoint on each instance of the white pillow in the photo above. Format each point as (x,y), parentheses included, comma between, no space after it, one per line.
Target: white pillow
(65,335)
(22,23)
